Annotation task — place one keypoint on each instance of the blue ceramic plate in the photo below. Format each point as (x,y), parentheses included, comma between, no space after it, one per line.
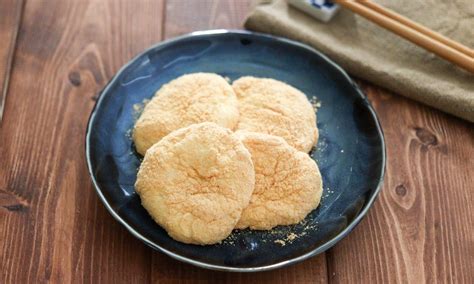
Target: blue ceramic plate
(350,152)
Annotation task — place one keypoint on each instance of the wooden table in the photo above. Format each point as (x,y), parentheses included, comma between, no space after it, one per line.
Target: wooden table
(55,56)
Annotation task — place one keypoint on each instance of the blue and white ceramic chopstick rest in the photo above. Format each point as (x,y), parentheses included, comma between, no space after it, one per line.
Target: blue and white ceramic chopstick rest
(322,10)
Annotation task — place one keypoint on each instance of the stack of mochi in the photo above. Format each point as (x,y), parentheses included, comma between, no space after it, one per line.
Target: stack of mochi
(219,157)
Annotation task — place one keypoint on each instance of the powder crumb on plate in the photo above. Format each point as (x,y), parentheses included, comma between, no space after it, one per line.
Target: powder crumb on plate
(138,108)
(315,103)
(288,240)
(128,134)
(230,240)
(280,242)
(291,236)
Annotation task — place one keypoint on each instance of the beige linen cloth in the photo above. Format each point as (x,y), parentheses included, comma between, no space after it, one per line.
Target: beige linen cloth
(377,55)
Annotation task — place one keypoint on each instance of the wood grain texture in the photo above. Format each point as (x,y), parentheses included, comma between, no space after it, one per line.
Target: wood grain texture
(52,225)
(54,228)
(187,16)
(10,17)
(420,229)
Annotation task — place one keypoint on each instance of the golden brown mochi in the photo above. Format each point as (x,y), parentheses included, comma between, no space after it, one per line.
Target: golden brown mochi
(189,99)
(273,107)
(195,182)
(288,184)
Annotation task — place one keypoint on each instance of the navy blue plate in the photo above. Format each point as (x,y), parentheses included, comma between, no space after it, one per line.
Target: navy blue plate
(350,152)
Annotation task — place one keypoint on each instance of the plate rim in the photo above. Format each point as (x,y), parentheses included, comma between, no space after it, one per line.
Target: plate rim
(318,250)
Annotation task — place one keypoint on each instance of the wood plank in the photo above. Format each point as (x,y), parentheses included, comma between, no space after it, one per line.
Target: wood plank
(187,16)
(421,227)
(10,16)
(184,17)
(166,270)
(53,226)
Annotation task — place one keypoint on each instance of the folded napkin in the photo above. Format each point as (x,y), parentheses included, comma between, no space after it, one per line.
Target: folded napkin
(377,55)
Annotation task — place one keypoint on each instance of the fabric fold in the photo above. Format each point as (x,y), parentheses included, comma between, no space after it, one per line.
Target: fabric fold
(374,54)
